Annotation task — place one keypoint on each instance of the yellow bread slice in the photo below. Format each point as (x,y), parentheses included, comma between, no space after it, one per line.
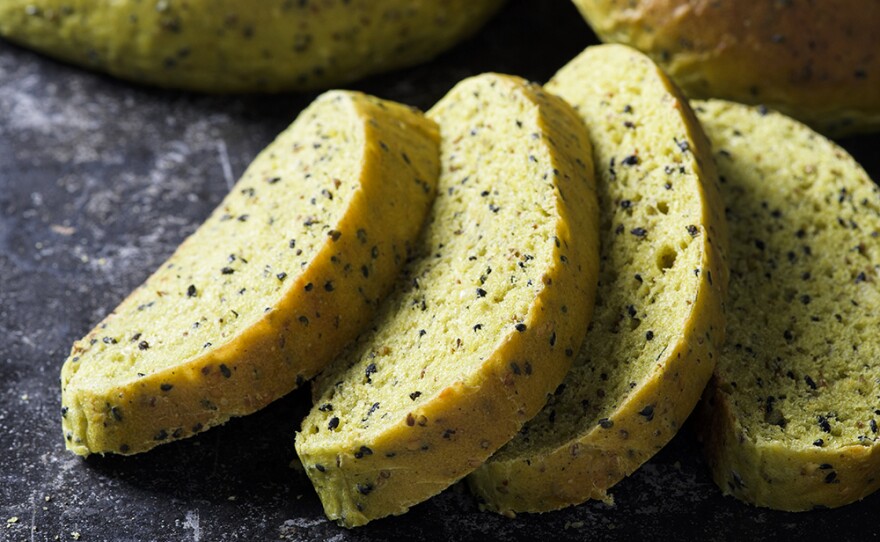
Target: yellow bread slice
(287,269)
(242,45)
(818,61)
(658,316)
(482,325)
(790,419)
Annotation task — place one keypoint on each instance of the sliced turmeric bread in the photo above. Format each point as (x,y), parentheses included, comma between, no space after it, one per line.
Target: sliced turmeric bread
(287,269)
(790,417)
(482,325)
(658,319)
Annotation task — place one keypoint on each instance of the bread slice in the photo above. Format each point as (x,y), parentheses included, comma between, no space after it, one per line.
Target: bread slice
(658,318)
(242,45)
(483,324)
(286,270)
(790,419)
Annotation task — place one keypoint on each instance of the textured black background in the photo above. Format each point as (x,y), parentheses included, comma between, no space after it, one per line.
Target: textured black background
(100,180)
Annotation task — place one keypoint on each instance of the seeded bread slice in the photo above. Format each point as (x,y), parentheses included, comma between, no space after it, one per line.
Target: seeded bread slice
(658,319)
(482,326)
(286,270)
(242,45)
(790,418)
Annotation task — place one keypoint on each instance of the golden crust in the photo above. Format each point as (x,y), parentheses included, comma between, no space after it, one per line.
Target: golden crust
(239,45)
(817,61)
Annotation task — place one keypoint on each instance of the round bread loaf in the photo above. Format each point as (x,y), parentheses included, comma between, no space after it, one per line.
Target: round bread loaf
(239,45)
(817,61)
(287,269)
(482,325)
(658,318)
(790,419)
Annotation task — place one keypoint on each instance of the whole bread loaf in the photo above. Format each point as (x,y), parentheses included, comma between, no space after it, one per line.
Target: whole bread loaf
(790,419)
(242,45)
(819,61)
(658,319)
(287,269)
(482,325)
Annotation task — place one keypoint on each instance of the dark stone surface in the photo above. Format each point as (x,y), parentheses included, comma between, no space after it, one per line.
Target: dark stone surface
(100,180)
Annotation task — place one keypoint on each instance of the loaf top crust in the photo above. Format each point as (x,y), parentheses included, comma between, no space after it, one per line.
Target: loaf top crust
(287,269)
(792,421)
(817,61)
(658,317)
(484,321)
(242,45)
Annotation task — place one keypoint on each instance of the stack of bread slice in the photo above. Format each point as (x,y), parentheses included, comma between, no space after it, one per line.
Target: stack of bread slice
(494,357)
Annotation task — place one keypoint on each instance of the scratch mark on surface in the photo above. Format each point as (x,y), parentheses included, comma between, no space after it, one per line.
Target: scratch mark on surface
(224,163)
(33,515)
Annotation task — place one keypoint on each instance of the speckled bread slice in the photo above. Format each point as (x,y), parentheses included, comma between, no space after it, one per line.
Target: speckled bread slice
(242,45)
(790,417)
(818,61)
(658,318)
(482,326)
(287,269)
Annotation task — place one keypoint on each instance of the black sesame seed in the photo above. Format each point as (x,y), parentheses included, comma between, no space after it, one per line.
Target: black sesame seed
(810,382)
(333,423)
(639,232)
(819,442)
(64,412)
(273,180)
(647,412)
(823,423)
(143,345)
(873,425)
(227,271)
(649,335)
(415,395)
(520,327)
(224,370)
(362,452)
(328,286)
(481,292)
(630,160)
(117,414)
(326,407)
(805,299)
(371,369)
(191,291)
(830,477)
(161,435)
(553,339)
(693,230)
(787,334)
(109,340)
(605,423)
(365,489)
(166,387)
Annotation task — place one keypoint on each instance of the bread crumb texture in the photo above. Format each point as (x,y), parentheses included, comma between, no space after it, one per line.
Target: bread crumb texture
(239,45)
(658,319)
(485,319)
(817,61)
(286,270)
(790,420)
